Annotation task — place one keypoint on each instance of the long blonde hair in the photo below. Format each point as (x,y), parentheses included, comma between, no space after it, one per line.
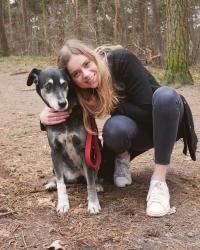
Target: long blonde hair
(98,102)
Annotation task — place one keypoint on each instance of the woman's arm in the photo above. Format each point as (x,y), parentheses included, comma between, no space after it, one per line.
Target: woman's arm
(127,69)
(137,84)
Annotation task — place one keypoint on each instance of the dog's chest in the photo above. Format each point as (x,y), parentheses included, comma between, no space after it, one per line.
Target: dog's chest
(73,146)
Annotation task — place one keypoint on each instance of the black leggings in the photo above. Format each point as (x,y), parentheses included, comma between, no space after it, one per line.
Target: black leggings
(122,133)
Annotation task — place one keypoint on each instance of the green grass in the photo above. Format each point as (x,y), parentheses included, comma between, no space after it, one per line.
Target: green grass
(30,115)
(158,73)
(195,71)
(17,64)
(19,133)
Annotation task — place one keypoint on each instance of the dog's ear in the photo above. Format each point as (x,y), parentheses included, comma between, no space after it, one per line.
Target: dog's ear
(33,77)
(65,74)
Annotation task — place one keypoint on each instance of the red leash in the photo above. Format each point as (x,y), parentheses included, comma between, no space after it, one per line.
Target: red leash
(92,149)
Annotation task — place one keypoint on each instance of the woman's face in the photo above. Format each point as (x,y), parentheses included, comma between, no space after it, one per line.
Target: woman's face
(83,71)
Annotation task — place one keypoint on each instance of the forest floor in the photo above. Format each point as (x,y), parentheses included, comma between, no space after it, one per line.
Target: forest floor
(28,217)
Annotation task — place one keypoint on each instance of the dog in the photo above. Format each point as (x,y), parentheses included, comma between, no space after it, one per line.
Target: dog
(66,140)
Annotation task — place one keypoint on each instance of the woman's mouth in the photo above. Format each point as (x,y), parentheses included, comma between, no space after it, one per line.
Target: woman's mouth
(92,79)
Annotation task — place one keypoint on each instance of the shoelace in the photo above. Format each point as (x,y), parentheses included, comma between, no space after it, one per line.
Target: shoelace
(156,193)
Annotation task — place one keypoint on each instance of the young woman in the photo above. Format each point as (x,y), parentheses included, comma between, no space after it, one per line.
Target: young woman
(143,114)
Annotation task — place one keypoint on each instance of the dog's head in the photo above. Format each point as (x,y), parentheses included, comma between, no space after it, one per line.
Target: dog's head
(53,85)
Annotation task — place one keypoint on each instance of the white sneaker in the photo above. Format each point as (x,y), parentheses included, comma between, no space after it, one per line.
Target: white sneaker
(122,175)
(158,199)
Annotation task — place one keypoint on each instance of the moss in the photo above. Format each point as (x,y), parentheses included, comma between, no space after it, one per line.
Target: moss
(177,78)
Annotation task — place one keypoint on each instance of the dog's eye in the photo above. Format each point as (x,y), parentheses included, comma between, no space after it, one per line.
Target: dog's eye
(48,86)
(65,84)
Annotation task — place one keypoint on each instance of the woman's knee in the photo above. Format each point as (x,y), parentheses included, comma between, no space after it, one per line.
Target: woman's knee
(118,132)
(165,96)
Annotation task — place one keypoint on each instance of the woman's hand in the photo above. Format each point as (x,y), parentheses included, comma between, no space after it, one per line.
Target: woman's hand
(50,116)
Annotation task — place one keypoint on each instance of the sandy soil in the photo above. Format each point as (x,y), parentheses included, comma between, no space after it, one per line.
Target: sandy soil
(28,217)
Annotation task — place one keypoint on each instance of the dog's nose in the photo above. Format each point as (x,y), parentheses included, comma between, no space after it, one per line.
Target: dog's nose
(62,104)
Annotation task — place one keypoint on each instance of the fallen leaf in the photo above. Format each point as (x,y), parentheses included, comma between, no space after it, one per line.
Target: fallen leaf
(172,210)
(56,245)
(46,202)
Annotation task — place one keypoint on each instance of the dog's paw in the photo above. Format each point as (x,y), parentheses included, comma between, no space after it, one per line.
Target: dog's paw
(50,186)
(99,188)
(63,208)
(94,207)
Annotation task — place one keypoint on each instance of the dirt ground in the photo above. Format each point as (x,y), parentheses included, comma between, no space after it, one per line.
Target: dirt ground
(28,217)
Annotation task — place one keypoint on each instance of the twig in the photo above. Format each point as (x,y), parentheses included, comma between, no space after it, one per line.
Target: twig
(13,243)
(12,232)
(33,246)
(36,191)
(7,213)
(19,73)
(23,238)
(27,89)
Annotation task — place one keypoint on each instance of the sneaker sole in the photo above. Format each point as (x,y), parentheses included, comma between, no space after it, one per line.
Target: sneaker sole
(121,186)
(158,214)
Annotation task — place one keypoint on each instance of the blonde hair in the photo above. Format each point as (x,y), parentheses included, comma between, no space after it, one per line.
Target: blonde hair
(98,102)
(104,49)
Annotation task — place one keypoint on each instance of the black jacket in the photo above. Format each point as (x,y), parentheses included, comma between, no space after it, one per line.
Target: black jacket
(187,131)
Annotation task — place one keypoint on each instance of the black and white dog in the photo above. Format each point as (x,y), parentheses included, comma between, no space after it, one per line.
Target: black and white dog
(67,140)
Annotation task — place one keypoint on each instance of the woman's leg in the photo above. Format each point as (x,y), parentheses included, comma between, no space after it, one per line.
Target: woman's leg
(167,114)
(121,134)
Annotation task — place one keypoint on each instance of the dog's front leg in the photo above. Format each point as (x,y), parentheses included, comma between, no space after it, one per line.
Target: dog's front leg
(93,201)
(63,201)
(59,164)
(99,187)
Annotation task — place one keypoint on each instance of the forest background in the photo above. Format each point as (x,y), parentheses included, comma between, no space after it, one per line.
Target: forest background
(40,27)
(165,35)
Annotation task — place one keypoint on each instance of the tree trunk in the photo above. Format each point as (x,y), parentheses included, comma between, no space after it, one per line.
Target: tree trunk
(44,17)
(10,24)
(3,39)
(135,20)
(157,24)
(25,22)
(145,16)
(194,37)
(124,24)
(77,19)
(142,20)
(177,44)
(92,21)
(117,22)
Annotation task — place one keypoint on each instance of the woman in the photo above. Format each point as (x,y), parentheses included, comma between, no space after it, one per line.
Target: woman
(143,114)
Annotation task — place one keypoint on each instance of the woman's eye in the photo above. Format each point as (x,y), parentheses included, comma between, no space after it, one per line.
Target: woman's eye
(87,63)
(76,74)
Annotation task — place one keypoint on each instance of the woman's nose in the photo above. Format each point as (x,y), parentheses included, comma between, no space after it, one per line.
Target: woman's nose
(86,73)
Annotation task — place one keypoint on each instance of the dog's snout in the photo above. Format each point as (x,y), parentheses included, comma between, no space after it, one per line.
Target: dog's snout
(62,104)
